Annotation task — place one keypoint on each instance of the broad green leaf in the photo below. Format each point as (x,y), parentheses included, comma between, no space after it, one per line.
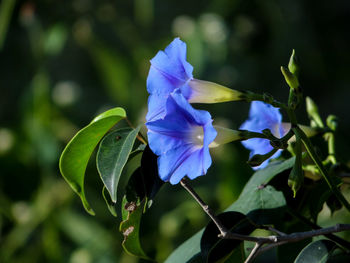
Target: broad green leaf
(259,201)
(76,155)
(112,156)
(214,248)
(190,248)
(263,176)
(187,251)
(316,252)
(262,205)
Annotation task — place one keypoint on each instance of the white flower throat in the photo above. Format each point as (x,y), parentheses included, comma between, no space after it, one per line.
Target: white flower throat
(197,135)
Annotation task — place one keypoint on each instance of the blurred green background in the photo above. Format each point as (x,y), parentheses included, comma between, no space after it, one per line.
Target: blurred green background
(63,62)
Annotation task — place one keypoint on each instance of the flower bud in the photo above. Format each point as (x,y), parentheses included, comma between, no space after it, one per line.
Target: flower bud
(293,64)
(312,111)
(290,78)
(210,92)
(332,122)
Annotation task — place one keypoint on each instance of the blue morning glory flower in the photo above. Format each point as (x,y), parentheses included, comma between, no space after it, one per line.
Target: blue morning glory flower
(181,140)
(263,116)
(170,71)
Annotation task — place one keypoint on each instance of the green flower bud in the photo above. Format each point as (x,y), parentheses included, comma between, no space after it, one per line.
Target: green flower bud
(290,78)
(293,64)
(332,122)
(312,111)
(210,92)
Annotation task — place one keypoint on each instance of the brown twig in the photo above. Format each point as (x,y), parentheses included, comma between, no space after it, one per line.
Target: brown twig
(205,207)
(270,241)
(252,254)
(139,135)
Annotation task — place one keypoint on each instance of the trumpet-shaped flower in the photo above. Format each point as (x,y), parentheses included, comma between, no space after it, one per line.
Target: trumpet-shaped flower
(181,140)
(170,71)
(263,116)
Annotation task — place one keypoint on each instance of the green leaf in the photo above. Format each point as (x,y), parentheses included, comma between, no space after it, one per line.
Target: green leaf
(110,205)
(190,248)
(142,186)
(316,252)
(76,155)
(262,203)
(138,150)
(112,156)
(130,227)
(214,248)
(264,176)
(187,251)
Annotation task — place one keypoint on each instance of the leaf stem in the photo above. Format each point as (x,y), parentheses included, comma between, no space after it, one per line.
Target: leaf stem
(139,135)
(250,96)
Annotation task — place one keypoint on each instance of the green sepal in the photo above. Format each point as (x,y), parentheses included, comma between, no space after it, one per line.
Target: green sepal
(258,159)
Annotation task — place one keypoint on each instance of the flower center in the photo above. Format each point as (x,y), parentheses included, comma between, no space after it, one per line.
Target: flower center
(197,135)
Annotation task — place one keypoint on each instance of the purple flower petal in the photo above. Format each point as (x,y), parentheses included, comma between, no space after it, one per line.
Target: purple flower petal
(169,71)
(185,160)
(181,140)
(262,116)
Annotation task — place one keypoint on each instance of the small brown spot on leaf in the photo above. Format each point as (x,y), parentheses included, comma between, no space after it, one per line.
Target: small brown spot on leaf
(262,186)
(128,231)
(118,137)
(130,207)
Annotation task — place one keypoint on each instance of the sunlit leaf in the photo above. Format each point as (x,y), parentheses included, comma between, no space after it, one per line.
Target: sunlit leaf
(112,156)
(75,156)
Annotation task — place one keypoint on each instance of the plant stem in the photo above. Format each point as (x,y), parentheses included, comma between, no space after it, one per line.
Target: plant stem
(139,135)
(345,244)
(322,169)
(272,241)
(250,96)
(184,183)
(253,252)
(331,147)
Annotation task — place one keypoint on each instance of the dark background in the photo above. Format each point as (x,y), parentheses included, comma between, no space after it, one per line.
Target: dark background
(63,62)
